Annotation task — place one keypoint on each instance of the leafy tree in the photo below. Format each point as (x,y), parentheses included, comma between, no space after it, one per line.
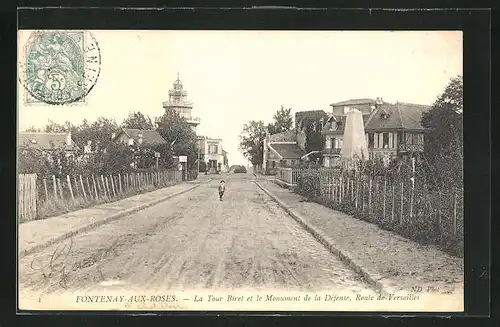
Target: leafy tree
(53,127)
(443,147)
(116,159)
(283,121)
(31,161)
(99,132)
(252,141)
(314,140)
(44,163)
(33,129)
(138,120)
(175,130)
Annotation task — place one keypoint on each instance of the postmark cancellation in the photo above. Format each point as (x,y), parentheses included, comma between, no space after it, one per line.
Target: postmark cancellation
(59,67)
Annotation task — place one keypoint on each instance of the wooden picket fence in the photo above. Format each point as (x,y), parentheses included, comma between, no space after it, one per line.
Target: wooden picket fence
(77,190)
(398,201)
(27,197)
(287,175)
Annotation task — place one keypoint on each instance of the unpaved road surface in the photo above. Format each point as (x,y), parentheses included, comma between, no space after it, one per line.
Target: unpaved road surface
(193,241)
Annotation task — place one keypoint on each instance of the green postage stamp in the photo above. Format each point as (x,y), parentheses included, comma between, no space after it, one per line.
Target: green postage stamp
(59,67)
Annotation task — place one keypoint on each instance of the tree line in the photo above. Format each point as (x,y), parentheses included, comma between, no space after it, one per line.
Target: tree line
(106,156)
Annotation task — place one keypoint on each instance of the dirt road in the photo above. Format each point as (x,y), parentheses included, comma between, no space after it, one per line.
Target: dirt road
(193,241)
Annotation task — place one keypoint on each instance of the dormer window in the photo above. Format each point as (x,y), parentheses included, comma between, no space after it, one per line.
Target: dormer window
(384,115)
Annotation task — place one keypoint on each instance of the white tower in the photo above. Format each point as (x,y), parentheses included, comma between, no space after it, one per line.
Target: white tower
(177,100)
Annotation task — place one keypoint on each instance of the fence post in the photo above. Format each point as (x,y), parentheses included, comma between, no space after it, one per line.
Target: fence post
(341,188)
(401,217)
(363,195)
(55,186)
(104,186)
(20,201)
(70,188)
(385,190)
(83,188)
(370,197)
(120,182)
(108,191)
(46,190)
(356,193)
(88,187)
(60,188)
(334,190)
(347,188)
(393,201)
(95,187)
(76,192)
(35,197)
(99,187)
(412,194)
(111,177)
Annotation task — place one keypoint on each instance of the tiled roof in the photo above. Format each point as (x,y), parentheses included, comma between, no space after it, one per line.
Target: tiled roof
(354,102)
(149,136)
(45,141)
(398,116)
(288,151)
(312,115)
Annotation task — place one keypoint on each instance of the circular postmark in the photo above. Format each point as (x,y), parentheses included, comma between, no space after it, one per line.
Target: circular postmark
(59,67)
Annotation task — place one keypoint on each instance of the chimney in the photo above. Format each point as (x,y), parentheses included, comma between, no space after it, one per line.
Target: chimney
(68,139)
(379,101)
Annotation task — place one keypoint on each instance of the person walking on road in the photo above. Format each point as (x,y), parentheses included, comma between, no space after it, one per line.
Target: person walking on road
(222,189)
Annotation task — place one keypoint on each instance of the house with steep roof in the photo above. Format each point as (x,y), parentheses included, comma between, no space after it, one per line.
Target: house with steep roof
(391,130)
(144,137)
(48,141)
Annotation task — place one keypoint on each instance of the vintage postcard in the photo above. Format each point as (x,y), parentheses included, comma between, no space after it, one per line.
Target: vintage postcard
(240,170)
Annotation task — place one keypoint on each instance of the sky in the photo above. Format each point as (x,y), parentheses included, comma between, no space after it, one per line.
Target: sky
(237,76)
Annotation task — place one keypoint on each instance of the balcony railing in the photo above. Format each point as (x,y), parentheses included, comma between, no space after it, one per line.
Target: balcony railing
(187,104)
(193,120)
(410,147)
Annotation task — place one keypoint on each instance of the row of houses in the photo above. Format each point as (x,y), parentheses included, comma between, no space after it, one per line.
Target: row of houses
(211,151)
(391,130)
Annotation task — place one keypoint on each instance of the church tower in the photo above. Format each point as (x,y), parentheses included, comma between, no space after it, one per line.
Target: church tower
(177,100)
